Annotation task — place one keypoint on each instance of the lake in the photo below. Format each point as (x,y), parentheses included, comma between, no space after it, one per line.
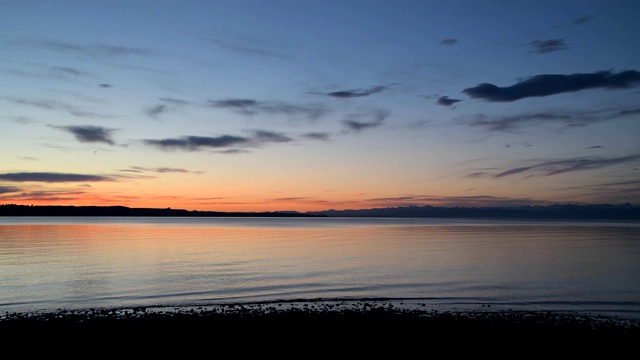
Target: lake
(75,263)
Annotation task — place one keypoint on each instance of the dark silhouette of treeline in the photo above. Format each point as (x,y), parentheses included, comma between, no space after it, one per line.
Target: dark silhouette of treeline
(567,211)
(62,210)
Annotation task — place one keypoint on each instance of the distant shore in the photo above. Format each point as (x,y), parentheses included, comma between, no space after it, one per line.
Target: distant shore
(560,211)
(364,329)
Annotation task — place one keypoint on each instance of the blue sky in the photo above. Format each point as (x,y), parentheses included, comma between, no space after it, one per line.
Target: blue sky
(313,105)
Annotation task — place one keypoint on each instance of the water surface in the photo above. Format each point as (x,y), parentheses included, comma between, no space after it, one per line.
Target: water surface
(54,263)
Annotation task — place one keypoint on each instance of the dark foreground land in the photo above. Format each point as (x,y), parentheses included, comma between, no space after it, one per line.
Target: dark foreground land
(316,331)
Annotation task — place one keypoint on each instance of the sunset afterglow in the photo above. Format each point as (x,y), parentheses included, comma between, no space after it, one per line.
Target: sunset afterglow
(314,105)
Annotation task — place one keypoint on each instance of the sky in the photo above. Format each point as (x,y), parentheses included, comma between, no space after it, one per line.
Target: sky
(310,105)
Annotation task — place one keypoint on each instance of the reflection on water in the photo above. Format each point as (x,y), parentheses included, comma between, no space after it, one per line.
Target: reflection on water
(76,263)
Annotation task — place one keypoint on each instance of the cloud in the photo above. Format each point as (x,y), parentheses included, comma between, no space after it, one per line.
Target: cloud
(253,107)
(105,85)
(354,124)
(568,118)
(168,105)
(158,170)
(88,133)
(317,136)
(624,190)
(448,41)
(96,51)
(347,94)
(9,189)
(67,71)
(551,84)
(43,71)
(233,143)
(249,47)
(264,136)
(446,101)
(583,20)
(176,102)
(52,177)
(192,143)
(434,200)
(556,167)
(547,46)
(54,105)
(157,110)
(578,22)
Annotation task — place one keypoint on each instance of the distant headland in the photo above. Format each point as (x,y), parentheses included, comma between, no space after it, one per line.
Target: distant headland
(69,210)
(560,211)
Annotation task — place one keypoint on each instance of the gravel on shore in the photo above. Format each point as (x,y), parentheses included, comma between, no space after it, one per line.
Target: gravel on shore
(371,329)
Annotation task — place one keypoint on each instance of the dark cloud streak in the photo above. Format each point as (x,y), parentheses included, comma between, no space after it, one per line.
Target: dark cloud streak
(157,170)
(551,84)
(252,107)
(556,167)
(55,105)
(89,133)
(446,101)
(347,94)
(192,143)
(51,177)
(568,118)
(548,46)
(354,124)
(448,41)
(9,189)
(235,143)
(317,136)
(96,51)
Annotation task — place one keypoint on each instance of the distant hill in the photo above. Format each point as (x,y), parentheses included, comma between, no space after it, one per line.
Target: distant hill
(567,211)
(62,210)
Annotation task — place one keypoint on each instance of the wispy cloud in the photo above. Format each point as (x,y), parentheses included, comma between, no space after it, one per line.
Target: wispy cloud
(265,136)
(89,133)
(448,41)
(578,21)
(48,104)
(93,50)
(193,143)
(556,167)
(347,94)
(583,20)
(52,177)
(141,169)
(317,136)
(434,200)
(253,107)
(9,189)
(354,122)
(52,195)
(548,46)
(167,105)
(246,47)
(545,85)
(623,190)
(68,71)
(567,118)
(446,101)
(45,71)
(232,142)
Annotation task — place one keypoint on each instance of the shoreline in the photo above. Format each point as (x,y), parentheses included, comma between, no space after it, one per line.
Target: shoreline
(381,325)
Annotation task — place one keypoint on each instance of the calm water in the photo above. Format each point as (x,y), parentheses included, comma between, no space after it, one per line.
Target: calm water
(48,264)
